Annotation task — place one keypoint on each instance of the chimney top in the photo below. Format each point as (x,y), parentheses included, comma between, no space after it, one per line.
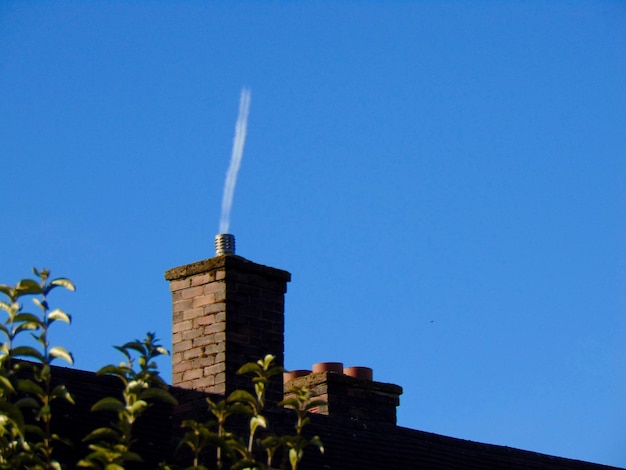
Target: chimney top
(226,262)
(224,244)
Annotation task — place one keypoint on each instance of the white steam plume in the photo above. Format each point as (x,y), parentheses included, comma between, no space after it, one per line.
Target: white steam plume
(235,159)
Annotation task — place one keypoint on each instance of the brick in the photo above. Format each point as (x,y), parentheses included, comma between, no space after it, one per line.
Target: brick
(239,277)
(191,334)
(192,313)
(181,305)
(202,279)
(214,348)
(203,383)
(202,362)
(179,284)
(181,367)
(214,369)
(205,319)
(182,326)
(215,328)
(203,341)
(192,292)
(202,300)
(240,338)
(183,346)
(192,352)
(192,374)
(213,287)
(239,305)
(218,307)
(248,291)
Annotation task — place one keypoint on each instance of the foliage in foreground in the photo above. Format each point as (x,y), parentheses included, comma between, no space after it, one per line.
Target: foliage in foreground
(27,395)
(26,387)
(255,452)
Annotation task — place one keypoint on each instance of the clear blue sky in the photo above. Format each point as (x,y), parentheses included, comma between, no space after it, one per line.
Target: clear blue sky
(446,181)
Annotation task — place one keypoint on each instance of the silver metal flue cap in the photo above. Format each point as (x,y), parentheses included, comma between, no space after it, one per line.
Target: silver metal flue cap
(224,244)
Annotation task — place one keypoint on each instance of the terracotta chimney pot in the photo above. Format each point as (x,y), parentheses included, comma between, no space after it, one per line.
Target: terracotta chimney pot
(294,374)
(336,367)
(358,372)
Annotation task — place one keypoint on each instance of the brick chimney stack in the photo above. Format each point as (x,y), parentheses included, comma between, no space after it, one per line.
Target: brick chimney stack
(226,311)
(350,392)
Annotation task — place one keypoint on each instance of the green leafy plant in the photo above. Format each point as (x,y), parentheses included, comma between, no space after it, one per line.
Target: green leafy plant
(111,446)
(27,394)
(299,400)
(237,451)
(26,374)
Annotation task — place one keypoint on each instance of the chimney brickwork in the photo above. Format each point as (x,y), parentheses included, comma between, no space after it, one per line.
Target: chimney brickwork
(351,397)
(226,311)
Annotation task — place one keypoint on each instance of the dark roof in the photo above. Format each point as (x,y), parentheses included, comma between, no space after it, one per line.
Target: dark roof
(349,444)
(153,432)
(355,445)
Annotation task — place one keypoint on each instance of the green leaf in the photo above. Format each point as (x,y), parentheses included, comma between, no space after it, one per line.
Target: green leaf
(138,407)
(113,370)
(6,384)
(58,314)
(63,440)
(158,394)
(113,466)
(134,345)
(55,465)
(239,408)
(289,403)
(29,326)
(257,421)
(250,367)
(25,327)
(42,305)
(27,318)
(132,457)
(13,413)
(108,404)
(63,282)
(6,290)
(294,457)
(274,371)
(27,402)
(27,351)
(242,396)
(27,287)
(315,441)
(61,391)
(84,463)
(34,429)
(60,352)
(44,413)
(267,361)
(102,434)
